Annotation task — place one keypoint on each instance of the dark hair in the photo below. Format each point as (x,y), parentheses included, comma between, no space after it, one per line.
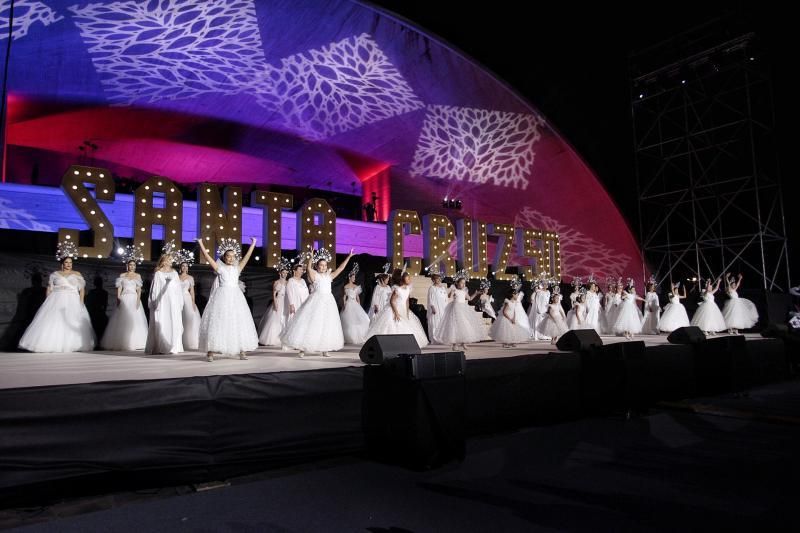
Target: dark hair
(511,293)
(296,266)
(397,276)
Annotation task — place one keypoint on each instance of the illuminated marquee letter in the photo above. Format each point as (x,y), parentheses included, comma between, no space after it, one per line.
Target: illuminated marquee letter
(157,202)
(439,234)
(74,184)
(273,204)
(216,221)
(503,250)
(316,228)
(401,223)
(472,247)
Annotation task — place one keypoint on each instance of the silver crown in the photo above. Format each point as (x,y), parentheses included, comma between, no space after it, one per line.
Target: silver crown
(485,284)
(283,264)
(132,253)
(353,271)
(434,270)
(320,255)
(184,256)
(169,247)
(227,244)
(66,249)
(461,274)
(515,283)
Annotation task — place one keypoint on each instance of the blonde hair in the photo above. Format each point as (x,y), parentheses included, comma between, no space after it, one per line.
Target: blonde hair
(162,260)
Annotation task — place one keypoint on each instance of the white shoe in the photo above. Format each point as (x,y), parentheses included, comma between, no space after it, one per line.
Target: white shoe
(301,354)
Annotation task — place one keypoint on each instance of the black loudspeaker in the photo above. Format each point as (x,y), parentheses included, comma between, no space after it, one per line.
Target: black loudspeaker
(579,340)
(428,365)
(686,335)
(380,348)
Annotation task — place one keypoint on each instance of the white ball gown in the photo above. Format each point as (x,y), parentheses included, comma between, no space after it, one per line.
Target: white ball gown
(503,330)
(316,326)
(460,323)
(538,312)
(191,317)
(674,315)
(629,318)
(576,318)
(521,315)
(739,313)
(355,321)
(227,326)
(652,314)
(296,294)
(437,301)
(486,306)
(708,317)
(380,298)
(127,327)
(592,303)
(274,320)
(165,332)
(62,323)
(555,323)
(385,324)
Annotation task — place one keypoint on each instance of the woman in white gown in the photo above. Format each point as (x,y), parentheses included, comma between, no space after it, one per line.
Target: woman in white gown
(555,324)
(380,295)
(127,327)
(355,321)
(437,301)
(592,302)
(191,315)
(316,326)
(538,311)
(274,320)
(460,324)
(485,299)
(521,316)
(652,311)
(629,317)
(396,318)
(506,329)
(739,313)
(576,317)
(708,317)
(165,300)
(674,315)
(606,326)
(227,326)
(62,322)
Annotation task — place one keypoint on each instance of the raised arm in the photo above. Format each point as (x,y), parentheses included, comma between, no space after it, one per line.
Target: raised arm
(312,274)
(205,253)
(341,267)
(246,258)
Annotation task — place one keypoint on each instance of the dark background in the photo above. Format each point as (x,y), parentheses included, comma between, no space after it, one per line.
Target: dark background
(571,61)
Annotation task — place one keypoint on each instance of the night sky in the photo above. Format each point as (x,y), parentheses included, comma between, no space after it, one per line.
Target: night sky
(572,63)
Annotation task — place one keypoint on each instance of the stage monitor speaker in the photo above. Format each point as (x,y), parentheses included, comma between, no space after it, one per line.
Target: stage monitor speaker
(686,335)
(579,340)
(428,365)
(379,348)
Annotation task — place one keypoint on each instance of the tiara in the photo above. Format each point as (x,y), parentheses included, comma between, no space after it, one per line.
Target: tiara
(303,257)
(591,279)
(434,270)
(283,264)
(485,284)
(576,281)
(226,244)
(169,247)
(184,256)
(132,253)
(385,270)
(66,249)
(353,271)
(461,274)
(556,289)
(320,255)
(652,280)
(515,283)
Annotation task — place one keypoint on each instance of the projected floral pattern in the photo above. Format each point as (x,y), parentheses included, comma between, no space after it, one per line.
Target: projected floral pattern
(169,49)
(477,146)
(337,88)
(26,14)
(580,255)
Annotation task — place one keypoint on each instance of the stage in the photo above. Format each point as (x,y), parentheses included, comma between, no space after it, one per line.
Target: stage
(82,422)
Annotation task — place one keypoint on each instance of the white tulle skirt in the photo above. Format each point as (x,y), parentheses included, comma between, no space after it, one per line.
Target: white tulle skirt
(650,322)
(227,325)
(629,319)
(384,324)
(316,326)
(127,327)
(553,327)
(61,324)
(355,323)
(191,323)
(271,326)
(674,317)
(708,317)
(740,313)
(504,331)
(460,325)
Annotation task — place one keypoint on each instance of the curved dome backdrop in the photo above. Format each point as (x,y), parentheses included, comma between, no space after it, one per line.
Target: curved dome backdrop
(327,94)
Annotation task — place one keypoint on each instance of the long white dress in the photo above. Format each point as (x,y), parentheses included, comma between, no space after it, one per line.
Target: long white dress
(380,298)
(191,317)
(486,301)
(592,303)
(739,313)
(274,320)
(385,324)
(576,318)
(355,321)
(437,301)
(460,323)
(629,319)
(165,331)
(504,331)
(538,312)
(521,315)
(62,322)
(674,315)
(606,327)
(296,294)
(652,314)
(227,326)
(613,313)
(316,326)
(127,327)
(555,324)
(708,317)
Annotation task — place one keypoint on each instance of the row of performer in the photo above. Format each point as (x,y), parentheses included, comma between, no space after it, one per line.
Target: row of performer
(304,316)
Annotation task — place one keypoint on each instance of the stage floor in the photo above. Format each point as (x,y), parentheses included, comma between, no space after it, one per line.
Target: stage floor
(18,370)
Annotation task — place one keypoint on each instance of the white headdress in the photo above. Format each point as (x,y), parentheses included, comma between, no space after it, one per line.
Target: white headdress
(227,244)
(66,249)
(515,283)
(321,254)
(132,253)
(283,264)
(353,271)
(461,274)
(434,270)
(184,256)
(485,284)
(169,247)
